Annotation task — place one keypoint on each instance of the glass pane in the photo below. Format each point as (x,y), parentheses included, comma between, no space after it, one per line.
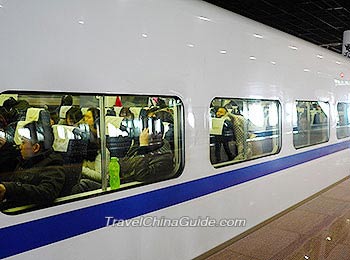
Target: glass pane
(343,124)
(144,134)
(311,123)
(66,142)
(243,129)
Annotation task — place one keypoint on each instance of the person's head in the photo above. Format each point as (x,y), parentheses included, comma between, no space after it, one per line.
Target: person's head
(54,118)
(10,103)
(221,111)
(32,136)
(91,117)
(126,113)
(152,112)
(66,100)
(165,116)
(73,116)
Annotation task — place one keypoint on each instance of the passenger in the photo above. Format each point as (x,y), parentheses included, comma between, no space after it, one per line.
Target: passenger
(9,154)
(126,113)
(226,136)
(240,127)
(15,110)
(91,118)
(148,160)
(66,100)
(39,178)
(93,163)
(128,123)
(74,116)
(92,169)
(54,118)
(167,117)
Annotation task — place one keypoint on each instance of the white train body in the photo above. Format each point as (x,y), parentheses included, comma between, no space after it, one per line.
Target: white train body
(188,49)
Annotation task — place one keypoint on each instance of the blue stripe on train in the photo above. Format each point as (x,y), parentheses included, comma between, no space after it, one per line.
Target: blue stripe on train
(23,237)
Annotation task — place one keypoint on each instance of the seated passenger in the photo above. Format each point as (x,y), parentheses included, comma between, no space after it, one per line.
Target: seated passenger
(9,154)
(74,116)
(91,118)
(149,160)
(128,124)
(39,177)
(92,165)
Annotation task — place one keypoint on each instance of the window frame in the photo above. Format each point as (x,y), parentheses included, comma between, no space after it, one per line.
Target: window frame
(279,134)
(179,138)
(295,112)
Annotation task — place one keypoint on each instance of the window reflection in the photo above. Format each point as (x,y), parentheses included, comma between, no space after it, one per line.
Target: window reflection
(311,123)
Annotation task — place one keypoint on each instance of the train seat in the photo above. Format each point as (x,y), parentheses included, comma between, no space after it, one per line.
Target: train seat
(118,141)
(62,114)
(69,142)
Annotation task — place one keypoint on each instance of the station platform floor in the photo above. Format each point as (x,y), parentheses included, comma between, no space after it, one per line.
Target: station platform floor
(314,230)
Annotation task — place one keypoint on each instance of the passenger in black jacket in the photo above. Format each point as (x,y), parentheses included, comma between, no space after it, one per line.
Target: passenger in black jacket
(39,177)
(149,161)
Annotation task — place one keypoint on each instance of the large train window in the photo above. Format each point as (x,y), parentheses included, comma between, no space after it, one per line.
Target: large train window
(343,123)
(72,146)
(310,123)
(243,129)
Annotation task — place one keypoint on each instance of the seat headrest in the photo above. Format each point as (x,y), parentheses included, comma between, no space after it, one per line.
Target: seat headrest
(113,126)
(62,135)
(63,111)
(33,114)
(216,126)
(136,111)
(17,138)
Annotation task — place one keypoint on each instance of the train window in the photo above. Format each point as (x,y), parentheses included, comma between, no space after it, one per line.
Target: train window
(243,129)
(310,123)
(343,123)
(70,145)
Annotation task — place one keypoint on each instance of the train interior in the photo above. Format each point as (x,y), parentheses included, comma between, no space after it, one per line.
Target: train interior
(87,130)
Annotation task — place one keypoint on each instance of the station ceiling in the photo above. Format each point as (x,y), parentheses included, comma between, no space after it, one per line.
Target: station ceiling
(321,22)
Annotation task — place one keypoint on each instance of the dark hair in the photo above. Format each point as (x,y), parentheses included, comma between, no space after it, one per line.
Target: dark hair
(127,112)
(95,115)
(10,103)
(67,100)
(3,122)
(75,114)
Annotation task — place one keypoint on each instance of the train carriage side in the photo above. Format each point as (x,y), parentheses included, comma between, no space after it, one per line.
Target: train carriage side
(291,97)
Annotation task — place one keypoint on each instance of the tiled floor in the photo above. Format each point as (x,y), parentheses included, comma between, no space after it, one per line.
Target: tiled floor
(316,230)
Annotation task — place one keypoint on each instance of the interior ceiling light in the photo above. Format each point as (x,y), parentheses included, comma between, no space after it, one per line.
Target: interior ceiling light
(293,47)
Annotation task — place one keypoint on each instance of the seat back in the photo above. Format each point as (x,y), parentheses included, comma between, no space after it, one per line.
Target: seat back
(72,146)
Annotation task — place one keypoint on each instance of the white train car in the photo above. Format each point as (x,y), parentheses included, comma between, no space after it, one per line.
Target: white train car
(291,97)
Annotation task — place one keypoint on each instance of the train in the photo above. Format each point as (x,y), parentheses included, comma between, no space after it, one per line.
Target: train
(285,105)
